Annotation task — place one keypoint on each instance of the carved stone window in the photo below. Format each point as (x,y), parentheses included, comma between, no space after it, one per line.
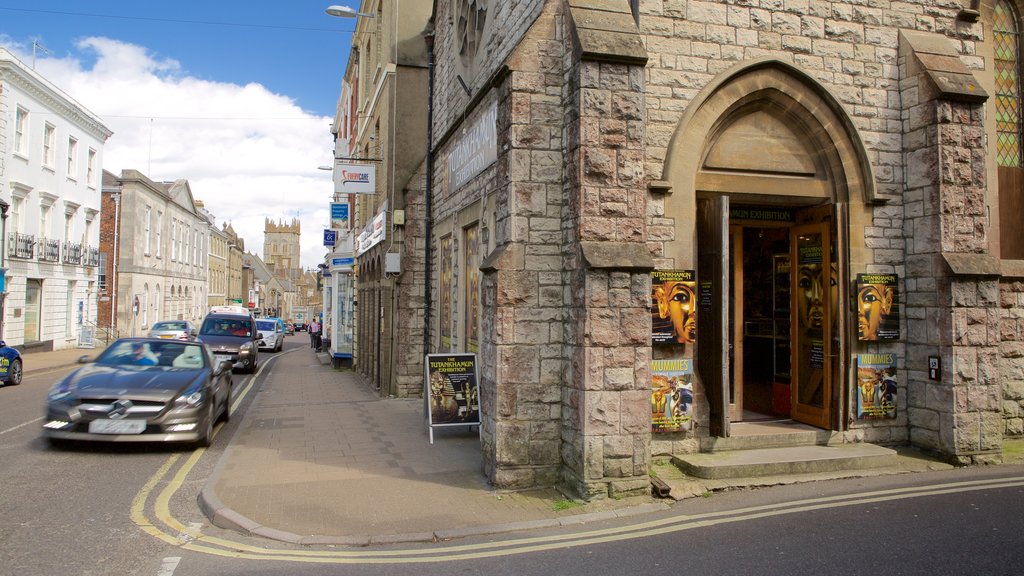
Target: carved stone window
(469,22)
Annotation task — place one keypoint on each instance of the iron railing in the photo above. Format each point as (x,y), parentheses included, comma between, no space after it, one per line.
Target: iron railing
(49,250)
(21,245)
(72,253)
(91,257)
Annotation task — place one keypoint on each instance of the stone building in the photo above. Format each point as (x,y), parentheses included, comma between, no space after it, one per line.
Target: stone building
(159,250)
(380,126)
(659,221)
(281,249)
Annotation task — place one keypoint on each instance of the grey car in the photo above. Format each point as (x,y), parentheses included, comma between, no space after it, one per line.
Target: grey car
(141,390)
(232,337)
(173,329)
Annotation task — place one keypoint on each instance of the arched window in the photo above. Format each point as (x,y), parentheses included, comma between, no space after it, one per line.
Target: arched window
(1008,150)
(1005,37)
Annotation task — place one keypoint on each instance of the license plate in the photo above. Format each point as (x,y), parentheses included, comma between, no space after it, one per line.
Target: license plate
(222,357)
(117,426)
(167,335)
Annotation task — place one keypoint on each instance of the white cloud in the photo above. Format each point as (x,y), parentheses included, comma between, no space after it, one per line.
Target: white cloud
(247,153)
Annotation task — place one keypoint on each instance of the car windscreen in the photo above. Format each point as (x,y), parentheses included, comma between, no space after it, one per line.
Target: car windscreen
(169,326)
(265,325)
(226,327)
(152,353)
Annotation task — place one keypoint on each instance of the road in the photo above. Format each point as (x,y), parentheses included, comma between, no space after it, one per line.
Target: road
(99,510)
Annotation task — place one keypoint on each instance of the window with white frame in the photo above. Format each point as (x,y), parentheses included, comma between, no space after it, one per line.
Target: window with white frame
(90,169)
(44,220)
(49,141)
(21,131)
(72,155)
(16,213)
(174,240)
(69,225)
(159,231)
(147,229)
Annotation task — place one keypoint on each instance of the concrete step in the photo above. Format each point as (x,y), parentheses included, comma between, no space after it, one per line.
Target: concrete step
(788,460)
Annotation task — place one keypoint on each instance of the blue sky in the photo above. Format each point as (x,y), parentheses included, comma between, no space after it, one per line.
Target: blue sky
(236,97)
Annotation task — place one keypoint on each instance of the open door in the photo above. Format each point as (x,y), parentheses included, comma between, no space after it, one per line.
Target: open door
(814,296)
(714,309)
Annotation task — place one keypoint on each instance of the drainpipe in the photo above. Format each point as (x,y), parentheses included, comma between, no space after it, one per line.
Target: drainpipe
(113,275)
(4,206)
(428,219)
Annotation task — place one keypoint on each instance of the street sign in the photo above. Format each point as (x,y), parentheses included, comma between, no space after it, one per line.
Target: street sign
(330,237)
(339,216)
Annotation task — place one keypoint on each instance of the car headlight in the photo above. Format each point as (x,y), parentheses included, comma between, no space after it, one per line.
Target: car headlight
(191,398)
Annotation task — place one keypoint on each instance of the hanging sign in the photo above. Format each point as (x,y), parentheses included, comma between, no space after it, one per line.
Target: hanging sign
(355,178)
(339,216)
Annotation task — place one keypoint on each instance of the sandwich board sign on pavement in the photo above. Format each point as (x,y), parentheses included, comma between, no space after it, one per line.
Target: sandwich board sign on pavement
(451,391)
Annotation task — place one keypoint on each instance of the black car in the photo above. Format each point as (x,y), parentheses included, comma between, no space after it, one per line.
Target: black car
(141,390)
(232,337)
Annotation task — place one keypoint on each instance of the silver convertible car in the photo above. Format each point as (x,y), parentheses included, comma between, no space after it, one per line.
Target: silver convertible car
(141,390)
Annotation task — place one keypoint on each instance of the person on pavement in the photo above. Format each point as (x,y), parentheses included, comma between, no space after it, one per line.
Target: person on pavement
(314,333)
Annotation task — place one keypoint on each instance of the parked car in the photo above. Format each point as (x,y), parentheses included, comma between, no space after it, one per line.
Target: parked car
(10,365)
(271,334)
(173,329)
(232,337)
(141,390)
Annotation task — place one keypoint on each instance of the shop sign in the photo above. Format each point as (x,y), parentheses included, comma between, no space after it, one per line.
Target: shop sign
(475,150)
(355,178)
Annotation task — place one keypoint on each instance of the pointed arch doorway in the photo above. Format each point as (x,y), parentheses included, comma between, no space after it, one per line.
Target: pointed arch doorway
(769,185)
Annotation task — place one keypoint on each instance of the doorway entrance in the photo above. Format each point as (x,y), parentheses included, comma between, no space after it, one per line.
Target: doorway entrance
(777,348)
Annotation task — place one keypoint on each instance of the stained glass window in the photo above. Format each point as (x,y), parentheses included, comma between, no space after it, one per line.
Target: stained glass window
(1007,79)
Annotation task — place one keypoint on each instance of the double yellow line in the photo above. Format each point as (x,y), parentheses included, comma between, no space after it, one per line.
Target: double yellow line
(173,532)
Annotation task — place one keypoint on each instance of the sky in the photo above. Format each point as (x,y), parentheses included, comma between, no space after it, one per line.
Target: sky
(235,97)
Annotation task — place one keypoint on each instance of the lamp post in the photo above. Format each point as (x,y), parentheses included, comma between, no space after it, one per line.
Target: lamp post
(345,12)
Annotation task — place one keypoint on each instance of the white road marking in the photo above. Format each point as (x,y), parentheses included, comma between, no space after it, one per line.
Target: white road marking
(168,566)
(22,425)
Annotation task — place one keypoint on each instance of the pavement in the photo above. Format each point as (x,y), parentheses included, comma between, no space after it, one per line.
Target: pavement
(321,459)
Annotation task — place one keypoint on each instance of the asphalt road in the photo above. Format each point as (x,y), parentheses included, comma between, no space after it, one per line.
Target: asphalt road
(104,510)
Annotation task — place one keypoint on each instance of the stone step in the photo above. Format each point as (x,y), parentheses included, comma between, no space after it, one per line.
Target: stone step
(805,459)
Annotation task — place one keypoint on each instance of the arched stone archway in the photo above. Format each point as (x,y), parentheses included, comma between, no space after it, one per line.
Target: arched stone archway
(766,135)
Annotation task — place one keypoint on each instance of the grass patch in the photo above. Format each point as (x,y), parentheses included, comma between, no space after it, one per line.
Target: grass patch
(563,504)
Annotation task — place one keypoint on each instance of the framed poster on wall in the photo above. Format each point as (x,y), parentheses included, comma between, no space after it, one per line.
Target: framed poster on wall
(878,307)
(673,307)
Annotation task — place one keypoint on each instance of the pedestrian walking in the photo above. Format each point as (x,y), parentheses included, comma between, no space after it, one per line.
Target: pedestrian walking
(314,333)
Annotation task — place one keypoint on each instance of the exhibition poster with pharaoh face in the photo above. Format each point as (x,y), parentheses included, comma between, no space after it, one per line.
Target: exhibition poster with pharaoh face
(673,307)
(878,316)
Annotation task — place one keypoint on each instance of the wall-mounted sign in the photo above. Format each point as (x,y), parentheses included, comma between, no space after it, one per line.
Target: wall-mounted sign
(878,308)
(474,150)
(374,232)
(354,178)
(330,237)
(876,386)
(339,262)
(673,306)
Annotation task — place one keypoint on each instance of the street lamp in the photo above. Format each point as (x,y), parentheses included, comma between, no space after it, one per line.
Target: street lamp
(345,12)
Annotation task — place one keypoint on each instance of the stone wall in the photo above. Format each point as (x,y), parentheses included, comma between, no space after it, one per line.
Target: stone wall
(1011,352)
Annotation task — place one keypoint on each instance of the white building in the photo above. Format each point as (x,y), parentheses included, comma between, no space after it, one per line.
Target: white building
(51,154)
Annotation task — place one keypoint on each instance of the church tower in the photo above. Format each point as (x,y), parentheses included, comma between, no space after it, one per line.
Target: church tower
(281,248)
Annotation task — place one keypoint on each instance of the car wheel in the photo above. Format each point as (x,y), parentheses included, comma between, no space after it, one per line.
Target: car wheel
(226,415)
(206,439)
(14,373)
